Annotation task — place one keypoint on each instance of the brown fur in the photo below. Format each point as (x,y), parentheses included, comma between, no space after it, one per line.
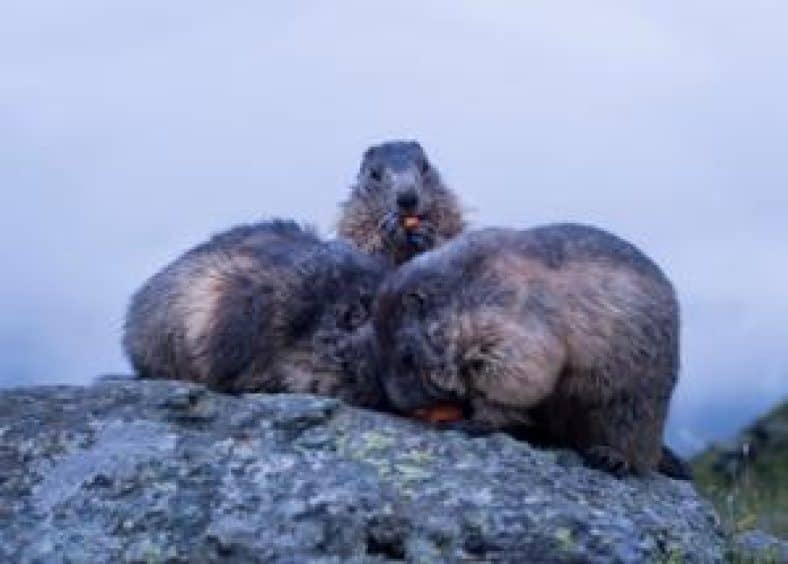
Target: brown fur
(565,328)
(261,308)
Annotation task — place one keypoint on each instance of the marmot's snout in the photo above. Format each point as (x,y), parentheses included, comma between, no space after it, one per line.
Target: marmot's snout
(418,372)
(407,200)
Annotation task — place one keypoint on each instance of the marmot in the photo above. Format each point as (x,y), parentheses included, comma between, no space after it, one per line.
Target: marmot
(566,329)
(267,307)
(399,207)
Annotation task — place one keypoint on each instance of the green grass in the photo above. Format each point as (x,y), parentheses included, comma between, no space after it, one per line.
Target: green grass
(753,492)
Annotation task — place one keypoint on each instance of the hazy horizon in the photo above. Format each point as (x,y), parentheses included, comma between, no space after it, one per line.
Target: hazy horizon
(130,133)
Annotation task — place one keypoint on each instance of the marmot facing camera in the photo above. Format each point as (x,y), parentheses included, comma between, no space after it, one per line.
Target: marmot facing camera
(262,308)
(564,328)
(399,206)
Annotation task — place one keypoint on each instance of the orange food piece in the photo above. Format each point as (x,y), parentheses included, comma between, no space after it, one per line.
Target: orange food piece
(441,413)
(410,222)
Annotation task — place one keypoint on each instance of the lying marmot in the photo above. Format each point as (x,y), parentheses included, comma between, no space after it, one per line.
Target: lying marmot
(266,307)
(399,206)
(564,328)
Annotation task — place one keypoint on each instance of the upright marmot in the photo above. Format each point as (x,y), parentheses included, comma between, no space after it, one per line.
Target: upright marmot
(266,307)
(565,328)
(399,207)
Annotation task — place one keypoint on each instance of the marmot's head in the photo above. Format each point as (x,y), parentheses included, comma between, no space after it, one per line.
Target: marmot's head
(399,206)
(338,298)
(432,325)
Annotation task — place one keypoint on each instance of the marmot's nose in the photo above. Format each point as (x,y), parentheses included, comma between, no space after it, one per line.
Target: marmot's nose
(407,200)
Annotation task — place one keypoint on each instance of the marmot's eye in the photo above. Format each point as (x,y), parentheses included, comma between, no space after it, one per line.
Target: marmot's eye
(376,174)
(424,166)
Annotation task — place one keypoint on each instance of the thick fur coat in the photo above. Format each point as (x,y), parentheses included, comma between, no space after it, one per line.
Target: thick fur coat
(566,329)
(267,307)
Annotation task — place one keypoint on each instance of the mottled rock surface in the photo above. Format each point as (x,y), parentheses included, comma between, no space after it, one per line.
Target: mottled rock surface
(159,471)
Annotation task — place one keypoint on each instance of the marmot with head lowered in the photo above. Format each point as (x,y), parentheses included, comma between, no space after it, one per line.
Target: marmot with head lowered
(267,307)
(399,206)
(565,329)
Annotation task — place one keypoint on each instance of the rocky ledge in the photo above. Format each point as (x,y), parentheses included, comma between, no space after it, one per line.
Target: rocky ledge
(169,472)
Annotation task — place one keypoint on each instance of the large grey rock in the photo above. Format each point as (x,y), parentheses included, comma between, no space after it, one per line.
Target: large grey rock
(162,471)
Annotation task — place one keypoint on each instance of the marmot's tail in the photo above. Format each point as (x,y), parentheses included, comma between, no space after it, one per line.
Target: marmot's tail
(673,466)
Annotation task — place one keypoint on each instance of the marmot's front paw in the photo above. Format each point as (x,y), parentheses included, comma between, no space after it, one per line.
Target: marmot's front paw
(422,238)
(607,459)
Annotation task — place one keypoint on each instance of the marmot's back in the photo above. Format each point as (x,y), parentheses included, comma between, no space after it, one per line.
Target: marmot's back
(239,312)
(560,243)
(565,325)
(555,246)
(611,298)
(171,317)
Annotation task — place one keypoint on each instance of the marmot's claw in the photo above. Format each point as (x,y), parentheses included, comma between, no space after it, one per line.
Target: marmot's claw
(607,459)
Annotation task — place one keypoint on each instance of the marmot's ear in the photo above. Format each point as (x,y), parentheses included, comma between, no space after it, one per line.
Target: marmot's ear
(368,154)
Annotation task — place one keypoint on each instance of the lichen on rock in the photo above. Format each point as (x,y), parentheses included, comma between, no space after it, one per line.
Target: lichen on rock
(161,471)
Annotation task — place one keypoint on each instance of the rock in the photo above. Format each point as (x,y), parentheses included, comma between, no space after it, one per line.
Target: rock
(155,471)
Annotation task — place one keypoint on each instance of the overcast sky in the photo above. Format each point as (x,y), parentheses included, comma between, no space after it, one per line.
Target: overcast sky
(131,131)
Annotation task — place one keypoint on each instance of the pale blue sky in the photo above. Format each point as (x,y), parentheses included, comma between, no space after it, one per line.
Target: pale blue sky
(130,131)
